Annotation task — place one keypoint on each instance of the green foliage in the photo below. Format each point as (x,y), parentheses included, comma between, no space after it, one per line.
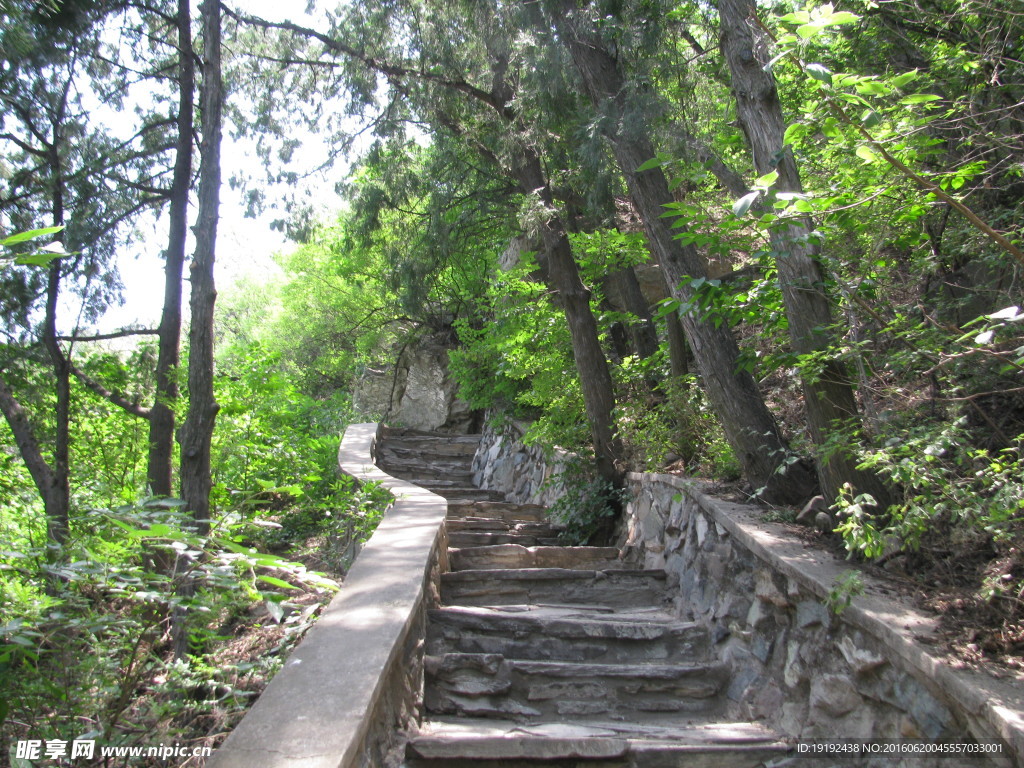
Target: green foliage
(946,485)
(75,655)
(519,361)
(588,507)
(84,646)
(675,424)
(842,593)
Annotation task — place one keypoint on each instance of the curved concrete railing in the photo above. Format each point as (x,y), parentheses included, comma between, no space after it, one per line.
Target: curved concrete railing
(352,686)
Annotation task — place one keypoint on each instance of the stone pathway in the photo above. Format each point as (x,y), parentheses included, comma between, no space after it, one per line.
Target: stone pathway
(544,655)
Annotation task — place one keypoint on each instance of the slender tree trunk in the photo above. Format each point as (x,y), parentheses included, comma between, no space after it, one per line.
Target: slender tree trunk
(197,431)
(748,425)
(591,363)
(641,331)
(46,480)
(678,352)
(57,493)
(160,471)
(828,393)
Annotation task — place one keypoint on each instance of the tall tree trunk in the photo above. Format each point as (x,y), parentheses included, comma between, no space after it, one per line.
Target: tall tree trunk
(57,493)
(828,393)
(591,363)
(197,431)
(160,470)
(748,425)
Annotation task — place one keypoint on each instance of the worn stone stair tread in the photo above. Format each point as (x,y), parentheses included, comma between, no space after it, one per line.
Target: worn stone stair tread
(642,671)
(433,472)
(617,587)
(452,481)
(605,614)
(492,524)
(498,509)
(511,555)
(465,539)
(491,685)
(492,739)
(464,494)
(537,574)
(567,634)
(577,621)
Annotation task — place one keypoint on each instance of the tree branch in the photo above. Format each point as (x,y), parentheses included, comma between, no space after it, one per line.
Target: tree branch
(116,398)
(386,69)
(124,332)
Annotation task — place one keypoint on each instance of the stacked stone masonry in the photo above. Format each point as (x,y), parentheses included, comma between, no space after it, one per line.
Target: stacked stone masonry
(868,671)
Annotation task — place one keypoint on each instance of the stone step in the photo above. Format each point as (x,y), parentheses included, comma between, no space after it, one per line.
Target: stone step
(459,495)
(497,525)
(490,685)
(518,556)
(506,744)
(471,538)
(554,586)
(391,454)
(566,634)
(446,480)
(498,510)
(430,445)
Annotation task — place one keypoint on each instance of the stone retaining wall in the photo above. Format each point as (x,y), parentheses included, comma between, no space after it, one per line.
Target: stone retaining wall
(522,472)
(770,602)
(352,688)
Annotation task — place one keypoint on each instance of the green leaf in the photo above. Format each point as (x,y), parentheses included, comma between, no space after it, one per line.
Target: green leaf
(795,133)
(919,98)
(807,31)
(907,77)
(873,88)
(37,259)
(797,17)
(843,17)
(655,162)
(763,182)
(741,206)
(865,153)
(21,237)
(276,582)
(870,118)
(820,73)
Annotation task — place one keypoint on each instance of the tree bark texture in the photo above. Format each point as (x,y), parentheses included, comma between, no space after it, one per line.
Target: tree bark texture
(641,331)
(197,431)
(160,467)
(591,363)
(57,491)
(749,426)
(828,394)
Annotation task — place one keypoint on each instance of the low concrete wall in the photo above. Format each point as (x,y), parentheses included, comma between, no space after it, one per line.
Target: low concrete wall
(352,688)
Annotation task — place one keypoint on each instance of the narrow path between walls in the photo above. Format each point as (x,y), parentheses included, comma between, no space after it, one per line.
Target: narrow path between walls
(542,654)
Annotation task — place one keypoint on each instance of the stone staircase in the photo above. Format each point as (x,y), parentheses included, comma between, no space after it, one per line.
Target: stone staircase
(544,655)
